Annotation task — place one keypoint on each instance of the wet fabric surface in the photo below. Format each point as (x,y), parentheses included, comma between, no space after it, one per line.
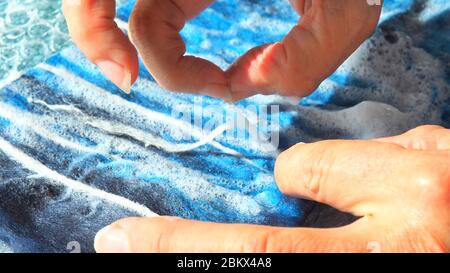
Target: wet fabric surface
(76,153)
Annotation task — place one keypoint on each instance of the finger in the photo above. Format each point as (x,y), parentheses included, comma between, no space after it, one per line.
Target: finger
(309,53)
(300,6)
(92,27)
(164,234)
(154,28)
(428,137)
(354,176)
(259,71)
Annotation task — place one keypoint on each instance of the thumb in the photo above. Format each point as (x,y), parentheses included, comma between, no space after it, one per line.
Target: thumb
(168,234)
(309,53)
(92,27)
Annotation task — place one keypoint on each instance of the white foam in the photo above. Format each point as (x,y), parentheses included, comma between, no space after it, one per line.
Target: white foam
(193,183)
(116,128)
(30,121)
(42,170)
(94,92)
(150,140)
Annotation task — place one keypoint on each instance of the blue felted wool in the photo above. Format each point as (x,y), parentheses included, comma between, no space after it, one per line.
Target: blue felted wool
(76,153)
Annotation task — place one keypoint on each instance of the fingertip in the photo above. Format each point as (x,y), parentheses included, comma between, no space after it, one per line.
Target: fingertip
(259,71)
(112,239)
(93,29)
(119,61)
(133,234)
(120,75)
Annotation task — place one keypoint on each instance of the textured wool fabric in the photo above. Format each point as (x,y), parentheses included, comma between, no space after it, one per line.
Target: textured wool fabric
(76,153)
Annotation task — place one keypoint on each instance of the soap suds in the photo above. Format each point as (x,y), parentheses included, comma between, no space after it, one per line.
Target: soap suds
(118,102)
(147,138)
(40,169)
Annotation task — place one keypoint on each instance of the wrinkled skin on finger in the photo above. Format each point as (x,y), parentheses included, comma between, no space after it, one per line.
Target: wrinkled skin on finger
(399,186)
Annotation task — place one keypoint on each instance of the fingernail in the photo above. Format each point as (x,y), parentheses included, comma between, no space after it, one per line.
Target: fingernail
(111,239)
(117,73)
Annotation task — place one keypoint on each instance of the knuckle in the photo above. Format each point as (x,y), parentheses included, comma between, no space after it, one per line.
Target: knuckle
(91,32)
(434,179)
(257,244)
(268,241)
(137,23)
(100,21)
(162,235)
(169,83)
(154,18)
(424,129)
(428,137)
(144,19)
(317,167)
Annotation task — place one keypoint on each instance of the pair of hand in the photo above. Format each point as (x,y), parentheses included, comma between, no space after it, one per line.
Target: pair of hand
(399,186)
(327,33)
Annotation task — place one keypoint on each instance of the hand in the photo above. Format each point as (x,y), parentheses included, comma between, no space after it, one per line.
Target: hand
(399,186)
(327,33)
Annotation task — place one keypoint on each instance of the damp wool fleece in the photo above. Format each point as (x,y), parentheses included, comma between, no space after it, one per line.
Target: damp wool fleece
(76,153)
